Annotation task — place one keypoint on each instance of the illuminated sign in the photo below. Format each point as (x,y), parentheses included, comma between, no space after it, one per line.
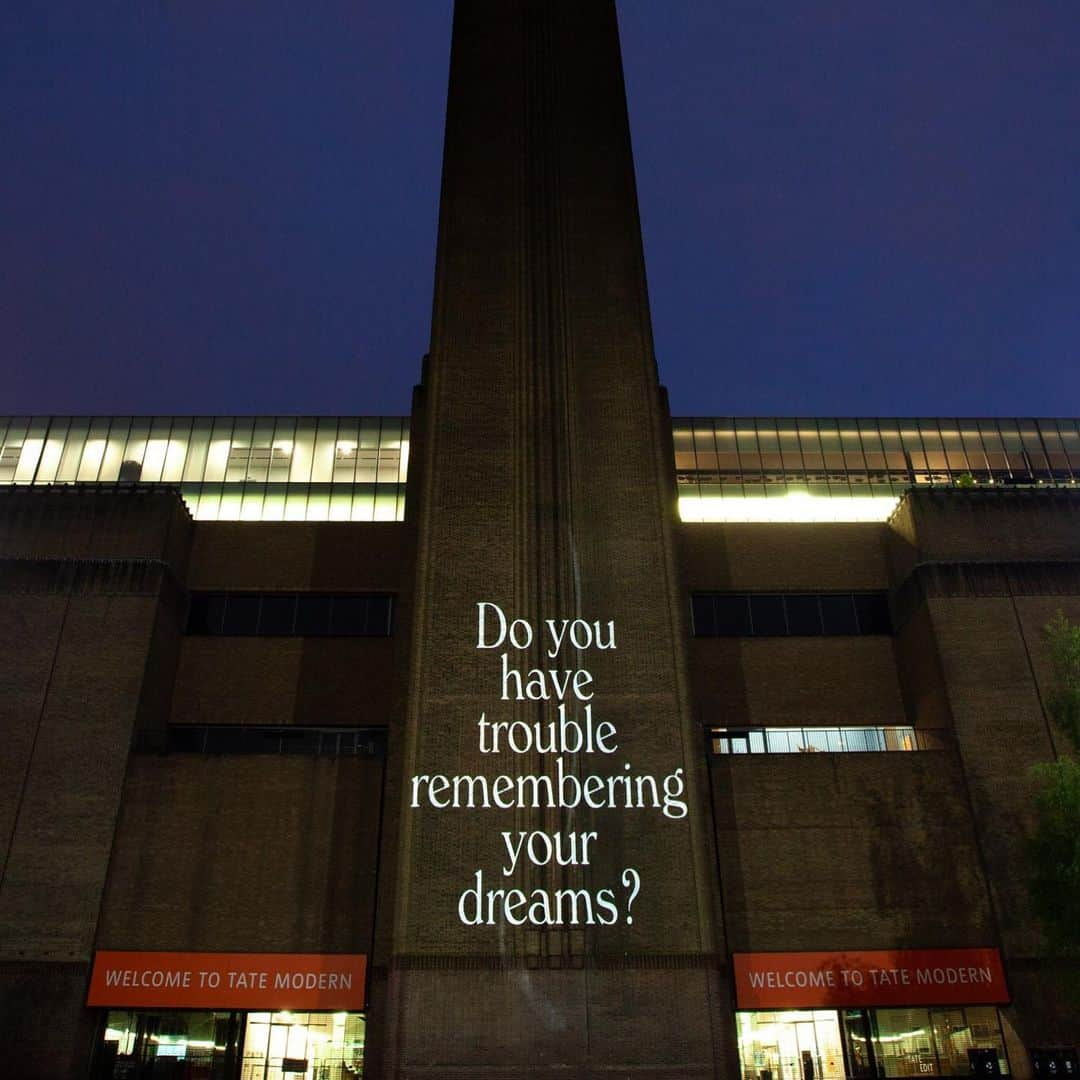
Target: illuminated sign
(804,980)
(192,980)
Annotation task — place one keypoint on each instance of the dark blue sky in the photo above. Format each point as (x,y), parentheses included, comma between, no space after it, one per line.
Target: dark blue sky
(849,207)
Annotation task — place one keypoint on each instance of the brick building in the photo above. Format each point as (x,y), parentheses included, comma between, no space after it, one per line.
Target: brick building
(537,733)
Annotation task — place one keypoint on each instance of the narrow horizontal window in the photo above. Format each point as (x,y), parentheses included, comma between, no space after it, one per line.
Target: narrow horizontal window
(803,615)
(297,741)
(703,612)
(838,615)
(767,616)
(872,611)
(790,614)
(242,614)
(824,740)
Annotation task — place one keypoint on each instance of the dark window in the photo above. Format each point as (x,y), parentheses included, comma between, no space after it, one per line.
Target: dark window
(732,616)
(289,614)
(236,740)
(872,610)
(188,739)
(349,615)
(241,614)
(313,616)
(378,616)
(300,741)
(803,615)
(704,615)
(207,613)
(838,614)
(767,616)
(278,615)
(790,614)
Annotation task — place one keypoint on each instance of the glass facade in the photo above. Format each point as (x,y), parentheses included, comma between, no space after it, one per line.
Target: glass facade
(803,1045)
(192,1045)
(920,1041)
(824,1044)
(846,469)
(294,1046)
(353,468)
(261,468)
(139,1045)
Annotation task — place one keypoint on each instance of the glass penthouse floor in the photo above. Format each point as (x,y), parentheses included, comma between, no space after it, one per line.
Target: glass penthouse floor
(353,468)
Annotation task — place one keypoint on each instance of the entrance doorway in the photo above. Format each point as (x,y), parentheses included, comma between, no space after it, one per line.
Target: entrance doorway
(194,1045)
(791,1045)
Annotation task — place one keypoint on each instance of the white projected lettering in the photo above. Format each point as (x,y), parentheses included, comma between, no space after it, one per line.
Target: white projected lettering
(572,738)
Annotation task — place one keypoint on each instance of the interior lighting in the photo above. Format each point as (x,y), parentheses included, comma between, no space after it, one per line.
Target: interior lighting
(795,506)
(217,458)
(899,1037)
(154,456)
(28,460)
(93,453)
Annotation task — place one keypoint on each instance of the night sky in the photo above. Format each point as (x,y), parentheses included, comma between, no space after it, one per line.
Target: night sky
(852,208)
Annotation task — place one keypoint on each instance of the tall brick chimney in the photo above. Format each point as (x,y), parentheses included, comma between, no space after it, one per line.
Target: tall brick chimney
(544,485)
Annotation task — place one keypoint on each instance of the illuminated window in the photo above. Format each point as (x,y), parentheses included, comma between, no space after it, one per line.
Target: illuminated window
(910,1042)
(823,740)
(9,459)
(225,468)
(805,1044)
(192,1044)
(790,1045)
(304,1045)
(762,469)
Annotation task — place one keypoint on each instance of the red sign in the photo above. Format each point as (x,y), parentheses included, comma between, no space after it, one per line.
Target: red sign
(810,980)
(191,980)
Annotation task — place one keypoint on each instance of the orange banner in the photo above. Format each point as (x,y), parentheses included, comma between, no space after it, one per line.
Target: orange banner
(887,977)
(191,980)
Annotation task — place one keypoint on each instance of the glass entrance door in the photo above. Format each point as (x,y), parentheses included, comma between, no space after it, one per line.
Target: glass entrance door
(807,1047)
(790,1045)
(858,1044)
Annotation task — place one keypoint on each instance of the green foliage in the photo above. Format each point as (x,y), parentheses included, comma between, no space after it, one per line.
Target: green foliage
(1055,854)
(1054,847)
(1063,639)
(965,480)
